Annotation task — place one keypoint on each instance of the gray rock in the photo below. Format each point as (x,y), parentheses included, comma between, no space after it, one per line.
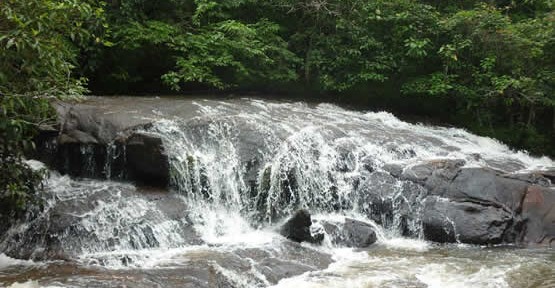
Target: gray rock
(484,206)
(479,185)
(439,168)
(146,161)
(390,202)
(275,269)
(351,233)
(98,218)
(99,139)
(297,228)
(394,169)
(449,221)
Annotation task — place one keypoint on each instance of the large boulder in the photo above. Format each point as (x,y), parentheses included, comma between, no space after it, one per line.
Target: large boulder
(98,139)
(90,216)
(538,210)
(297,228)
(350,233)
(444,220)
(484,206)
(146,160)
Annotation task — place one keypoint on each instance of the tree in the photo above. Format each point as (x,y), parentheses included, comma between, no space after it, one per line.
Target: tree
(40,41)
(349,43)
(203,44)
(498,69)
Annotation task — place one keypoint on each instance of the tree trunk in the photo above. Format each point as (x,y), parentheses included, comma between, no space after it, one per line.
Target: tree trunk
(531,116)
(307,61)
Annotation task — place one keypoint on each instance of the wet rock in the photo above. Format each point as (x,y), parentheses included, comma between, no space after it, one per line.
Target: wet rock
(484,206)
(445,220)
(77,136)
(541,178)
(550,174)
(480,185)
(297,228)
(96,216)
(95,141)
(538,208)
(248,138)
(443,168)
(350,233)
(96,119)
(377,195)
(358,233)
(389,202)
(346,161)
(291,259)
(472,205)
(275,269)
(394,169)
(146,159)
(294,251)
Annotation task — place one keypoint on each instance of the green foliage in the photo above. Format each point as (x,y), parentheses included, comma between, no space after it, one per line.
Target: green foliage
(490,61)
(40,42)
(229,53)
(19,184)
(19,187)
(348,43)
(204,46)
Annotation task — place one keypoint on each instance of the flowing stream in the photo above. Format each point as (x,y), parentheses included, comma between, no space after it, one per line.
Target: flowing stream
(238,168)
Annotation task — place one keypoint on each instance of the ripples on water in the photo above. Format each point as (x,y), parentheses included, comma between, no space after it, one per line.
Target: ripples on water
(410,264)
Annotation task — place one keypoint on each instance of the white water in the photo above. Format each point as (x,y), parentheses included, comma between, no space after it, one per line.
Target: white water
(303,156)
(6,262)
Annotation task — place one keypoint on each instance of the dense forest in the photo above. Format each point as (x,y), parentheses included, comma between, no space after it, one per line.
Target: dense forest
(487,66)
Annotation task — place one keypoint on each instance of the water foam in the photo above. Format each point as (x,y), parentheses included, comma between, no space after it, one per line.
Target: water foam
(28,284)
(6,262)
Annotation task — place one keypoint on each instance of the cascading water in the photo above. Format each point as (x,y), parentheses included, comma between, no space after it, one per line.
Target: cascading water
(238,168)
(264,160)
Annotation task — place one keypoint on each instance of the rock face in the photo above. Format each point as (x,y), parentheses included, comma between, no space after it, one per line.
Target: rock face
(94,141)
(351,233)
(452,221)
(146,160)
(538,209)
(483,206)
(297,228)
(444,200)
(103,138)
(95,216)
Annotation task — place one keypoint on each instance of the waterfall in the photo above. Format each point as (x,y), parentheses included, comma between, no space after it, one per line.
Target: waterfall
(263,160)
(237,169)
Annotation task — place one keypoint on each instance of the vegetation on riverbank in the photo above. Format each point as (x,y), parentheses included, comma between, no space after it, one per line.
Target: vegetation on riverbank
(40,45)
(484,65)
(488,66)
